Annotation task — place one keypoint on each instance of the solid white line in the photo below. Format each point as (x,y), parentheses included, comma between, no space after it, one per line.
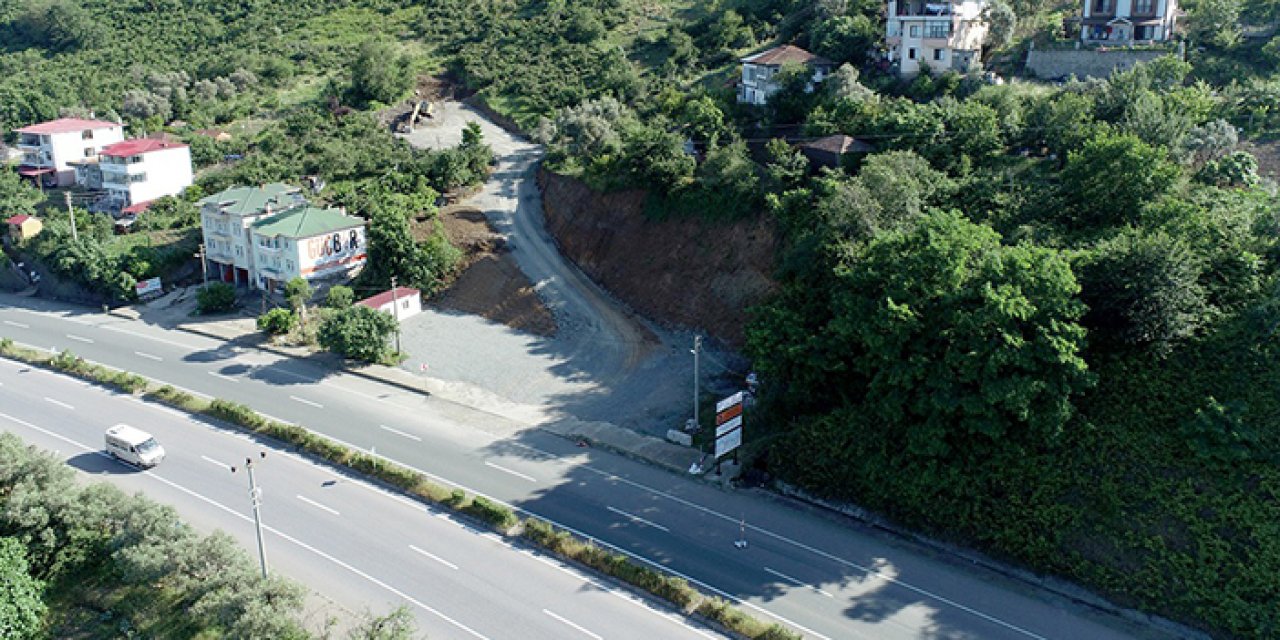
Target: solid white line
(220,464)
(305,401)
(17,324)
(400,433)
(59,403)
(317,504)
(572,624)
(435,557)
(506,470)
(80,338)
(639,519)
(219,375)
(797,582)
(149,356)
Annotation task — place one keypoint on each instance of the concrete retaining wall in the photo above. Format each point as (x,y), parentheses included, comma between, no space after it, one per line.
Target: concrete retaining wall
(1085,63)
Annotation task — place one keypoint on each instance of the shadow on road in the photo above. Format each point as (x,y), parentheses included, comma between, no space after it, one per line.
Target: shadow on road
(97,462)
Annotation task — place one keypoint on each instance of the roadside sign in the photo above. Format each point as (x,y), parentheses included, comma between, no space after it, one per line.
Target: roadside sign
(147,287)
(729,426)
(729,442)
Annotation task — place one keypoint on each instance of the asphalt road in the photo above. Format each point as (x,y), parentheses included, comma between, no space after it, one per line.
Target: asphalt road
(830,579)
(359,546)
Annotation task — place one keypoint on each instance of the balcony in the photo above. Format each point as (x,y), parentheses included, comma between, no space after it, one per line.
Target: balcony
(925,9)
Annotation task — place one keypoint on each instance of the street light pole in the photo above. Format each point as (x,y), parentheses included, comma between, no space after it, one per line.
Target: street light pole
(255,496)
(71,212)
(204,266)
(395,310)
(697,349)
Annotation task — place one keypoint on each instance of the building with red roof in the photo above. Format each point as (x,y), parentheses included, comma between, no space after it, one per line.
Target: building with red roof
(401,302)
(136,172)
(50,149)
(24,227)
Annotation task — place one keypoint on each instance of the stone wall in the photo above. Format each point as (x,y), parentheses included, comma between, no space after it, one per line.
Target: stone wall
(1085,63)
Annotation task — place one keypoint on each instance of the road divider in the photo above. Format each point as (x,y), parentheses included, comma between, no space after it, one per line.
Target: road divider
(499,517)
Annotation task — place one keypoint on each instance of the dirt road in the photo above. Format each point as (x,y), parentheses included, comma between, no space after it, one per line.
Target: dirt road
(603,363)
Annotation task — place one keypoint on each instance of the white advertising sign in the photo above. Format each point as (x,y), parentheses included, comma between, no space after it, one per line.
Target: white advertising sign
(728,442)
(150,285)
(729,402)
(729,426)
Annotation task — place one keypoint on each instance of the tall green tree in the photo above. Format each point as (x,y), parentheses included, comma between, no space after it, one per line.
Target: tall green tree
(380,73)
(1109,180)
(17,196)
(358,332)
(965,344)
(21,607)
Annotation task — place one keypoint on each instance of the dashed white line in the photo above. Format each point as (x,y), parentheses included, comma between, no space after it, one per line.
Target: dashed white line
(637,518)
(506,470)
(435,557)
(400,433)
(148,356)
(59,403)
(797,582)
(224,377)
(220,464)
(17,324)
(305,401)
(317,504)
(80,338)
(572,624)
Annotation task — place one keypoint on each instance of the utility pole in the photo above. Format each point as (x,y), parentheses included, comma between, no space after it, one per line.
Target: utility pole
(395,310)
(71,212)
(204,266)
(255,496)
(697,349)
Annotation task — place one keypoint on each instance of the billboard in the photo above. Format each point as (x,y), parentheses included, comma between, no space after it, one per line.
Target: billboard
(728,424)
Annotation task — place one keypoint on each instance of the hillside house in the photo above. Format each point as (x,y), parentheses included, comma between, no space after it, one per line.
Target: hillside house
(946,35)
(49,148)
(23,228)
(226,218)
(756,84)
(830,151)
(306,242)
(1124,22)
(136,172)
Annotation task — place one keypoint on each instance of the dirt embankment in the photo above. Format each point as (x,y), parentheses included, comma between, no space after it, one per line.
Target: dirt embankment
(687,272)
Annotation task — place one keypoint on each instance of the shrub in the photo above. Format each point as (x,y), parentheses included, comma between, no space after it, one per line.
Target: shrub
(236,413)
(216,297)
(491,512)
(277,321)
(340,297)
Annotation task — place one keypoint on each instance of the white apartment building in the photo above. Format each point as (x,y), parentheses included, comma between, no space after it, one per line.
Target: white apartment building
(756,84)
(135,172)
(1123,22)
(226,218)
(939,35)
(49,148)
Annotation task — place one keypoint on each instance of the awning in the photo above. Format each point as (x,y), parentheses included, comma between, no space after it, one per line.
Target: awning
(32,172)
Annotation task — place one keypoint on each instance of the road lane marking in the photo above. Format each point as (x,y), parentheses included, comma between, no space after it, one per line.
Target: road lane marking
(17,324)
(400,433)
(316,504)
(797,582)
(59,403)
(639,519)
(80,338)
(572,624)
(435,557)
(506,470)
(148,356)
(220,464)
(305,401)
(224,377)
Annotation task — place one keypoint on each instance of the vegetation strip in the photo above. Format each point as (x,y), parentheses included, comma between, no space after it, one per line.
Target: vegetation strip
(498,517)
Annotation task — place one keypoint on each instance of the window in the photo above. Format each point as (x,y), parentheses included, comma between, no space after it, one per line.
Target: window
(138,177)
(1102,6)
(937,54)
(939,31)
(88,152)
(1143,33)
(87,134)
(1143,6)
(915,31)
(911,54)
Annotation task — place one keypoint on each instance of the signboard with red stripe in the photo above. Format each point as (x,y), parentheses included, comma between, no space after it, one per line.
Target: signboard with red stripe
(729,424)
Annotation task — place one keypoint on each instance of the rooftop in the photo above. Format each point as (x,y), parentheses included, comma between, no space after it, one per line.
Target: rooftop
(19,219)
(779,56)
(376,302)
(139,146)
(306,222)
(838,143)
(244,201)
(67,125)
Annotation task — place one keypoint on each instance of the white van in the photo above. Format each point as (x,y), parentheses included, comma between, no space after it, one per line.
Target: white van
(134,446)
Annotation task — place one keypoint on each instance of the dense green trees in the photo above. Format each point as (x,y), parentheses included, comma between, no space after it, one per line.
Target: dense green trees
(1096,198)
(379,73)
(17,196)
(21,608)
(358,332)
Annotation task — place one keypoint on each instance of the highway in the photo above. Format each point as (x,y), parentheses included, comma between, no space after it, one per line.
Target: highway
(826,577)
(357,545)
